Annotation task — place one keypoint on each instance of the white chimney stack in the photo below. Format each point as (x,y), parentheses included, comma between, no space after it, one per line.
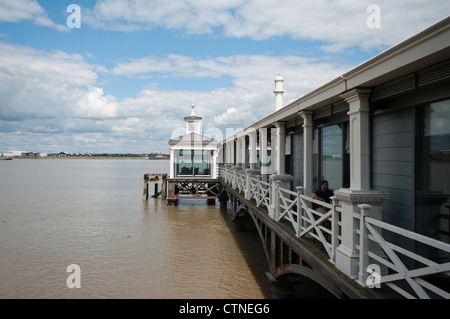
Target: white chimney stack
(278,92)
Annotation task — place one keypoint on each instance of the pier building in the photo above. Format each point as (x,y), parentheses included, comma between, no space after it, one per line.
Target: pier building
(380,135)
(193,163)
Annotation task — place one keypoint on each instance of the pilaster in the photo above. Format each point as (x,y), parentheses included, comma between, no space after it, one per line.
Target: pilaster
(172,164)
(263,153)
(307,151)
(359,121)
(252,137)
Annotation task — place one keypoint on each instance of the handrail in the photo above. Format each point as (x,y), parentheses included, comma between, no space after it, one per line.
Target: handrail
(295,210)
(396,258)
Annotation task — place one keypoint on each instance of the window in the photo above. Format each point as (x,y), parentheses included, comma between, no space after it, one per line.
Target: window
(194,163)
(433,170)
(330,156)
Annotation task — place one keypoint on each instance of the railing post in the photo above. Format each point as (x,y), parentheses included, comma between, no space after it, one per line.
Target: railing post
(299,211)
(248,185)
(258,194)
(233,178)
(363,245)
(334,229)
(277,200)
(271,207)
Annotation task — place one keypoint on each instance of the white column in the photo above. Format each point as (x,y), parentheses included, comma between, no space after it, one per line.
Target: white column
(214,164)
(244,154)
(280,141)
(358,101)
(232,145)
(263,158)
(273,152)
(253,158)
(172,164)
(307,152)
(347,256)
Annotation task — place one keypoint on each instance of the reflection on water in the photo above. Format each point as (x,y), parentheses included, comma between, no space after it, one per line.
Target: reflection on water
(90,212)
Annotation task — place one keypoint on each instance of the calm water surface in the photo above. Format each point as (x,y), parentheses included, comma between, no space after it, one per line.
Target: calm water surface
(54,213)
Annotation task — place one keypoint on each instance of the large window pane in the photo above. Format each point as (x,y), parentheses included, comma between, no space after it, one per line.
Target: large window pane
(202,163)
(433,171)
(332,155)
(184,163)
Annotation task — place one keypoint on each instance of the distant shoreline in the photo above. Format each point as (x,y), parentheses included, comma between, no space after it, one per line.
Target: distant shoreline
(93,158)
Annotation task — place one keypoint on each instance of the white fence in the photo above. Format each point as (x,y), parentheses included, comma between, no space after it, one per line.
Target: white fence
(380,261)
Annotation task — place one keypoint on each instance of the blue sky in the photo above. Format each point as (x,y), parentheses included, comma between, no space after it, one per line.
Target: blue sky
(125,79)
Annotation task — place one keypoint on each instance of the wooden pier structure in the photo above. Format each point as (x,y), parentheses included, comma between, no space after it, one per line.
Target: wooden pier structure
(190,188)
(173,189)
(155,179)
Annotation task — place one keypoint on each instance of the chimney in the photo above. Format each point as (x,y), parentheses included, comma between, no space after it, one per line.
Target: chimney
(278,92)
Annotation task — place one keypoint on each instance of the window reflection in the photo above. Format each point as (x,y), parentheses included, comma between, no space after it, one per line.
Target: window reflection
(192,163)
(433,170)
(332,155)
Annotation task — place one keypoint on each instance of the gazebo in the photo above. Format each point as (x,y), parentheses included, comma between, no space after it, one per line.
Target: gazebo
(193,163)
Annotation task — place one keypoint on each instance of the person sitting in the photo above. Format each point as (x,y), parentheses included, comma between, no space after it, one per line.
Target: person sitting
(322,194)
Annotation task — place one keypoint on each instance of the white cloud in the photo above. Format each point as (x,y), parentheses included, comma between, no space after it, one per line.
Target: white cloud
(340,24)
(57,95)
(18,10)
(252,78)
(38,84)
(53,99)
(94,104)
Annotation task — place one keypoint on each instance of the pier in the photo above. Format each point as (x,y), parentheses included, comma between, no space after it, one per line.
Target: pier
(376,134)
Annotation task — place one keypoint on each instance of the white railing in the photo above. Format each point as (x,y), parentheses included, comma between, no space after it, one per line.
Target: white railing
(295,209)
(374,246)
(288,206)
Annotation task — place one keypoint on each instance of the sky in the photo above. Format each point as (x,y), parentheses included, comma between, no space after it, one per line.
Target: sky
(119,76)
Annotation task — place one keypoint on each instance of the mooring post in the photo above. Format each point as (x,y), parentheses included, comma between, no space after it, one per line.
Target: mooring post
(145,193)
(156,190)
(164,187)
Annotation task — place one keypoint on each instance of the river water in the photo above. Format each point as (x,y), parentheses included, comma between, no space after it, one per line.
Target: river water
(55,213)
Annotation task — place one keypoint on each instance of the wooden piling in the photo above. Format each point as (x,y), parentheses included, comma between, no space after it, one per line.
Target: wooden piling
(164,187)
(145,192)
(154,179)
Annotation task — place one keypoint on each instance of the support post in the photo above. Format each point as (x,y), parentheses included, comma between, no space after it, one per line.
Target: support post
(299,211)
(145,192)
(281,289)
(280,142)
(307,151)
(347,256)
(164,187)
(252,137)
(156,190)
(363,244)
(263,153)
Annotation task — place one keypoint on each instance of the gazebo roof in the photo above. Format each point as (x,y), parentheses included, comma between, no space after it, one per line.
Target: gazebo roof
(192,139)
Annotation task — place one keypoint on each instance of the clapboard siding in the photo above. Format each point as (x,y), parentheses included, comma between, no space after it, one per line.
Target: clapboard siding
(392,163)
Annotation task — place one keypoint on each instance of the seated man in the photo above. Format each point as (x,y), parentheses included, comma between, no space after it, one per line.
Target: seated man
(322,194)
